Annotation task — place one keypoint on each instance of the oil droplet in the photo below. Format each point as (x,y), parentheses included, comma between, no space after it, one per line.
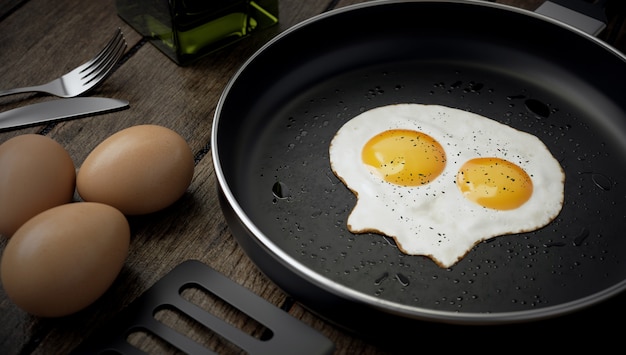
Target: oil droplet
(391,241)
(554,244)
(404,281)
(602,181)
(280,190)
(381,278)
(584,233)
(456,84)
(538,108)
(474,87)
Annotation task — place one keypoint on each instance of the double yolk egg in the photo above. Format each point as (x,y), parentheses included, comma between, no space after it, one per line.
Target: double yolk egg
(440,180)
(411,158)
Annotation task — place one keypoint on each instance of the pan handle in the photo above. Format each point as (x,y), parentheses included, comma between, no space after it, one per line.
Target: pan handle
(589,17)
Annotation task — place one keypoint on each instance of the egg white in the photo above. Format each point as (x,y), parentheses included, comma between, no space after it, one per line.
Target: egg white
(435,220)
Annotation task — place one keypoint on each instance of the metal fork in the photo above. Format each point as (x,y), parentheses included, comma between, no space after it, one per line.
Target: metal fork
(84,77)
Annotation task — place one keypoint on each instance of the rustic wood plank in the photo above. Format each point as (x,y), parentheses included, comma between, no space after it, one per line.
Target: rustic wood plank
(7,7)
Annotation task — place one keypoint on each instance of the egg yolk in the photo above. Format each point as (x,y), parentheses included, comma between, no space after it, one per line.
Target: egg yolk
(404,157)
(494,183)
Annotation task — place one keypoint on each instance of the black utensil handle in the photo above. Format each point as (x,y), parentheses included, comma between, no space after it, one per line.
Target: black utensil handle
(589,17)
(288,334)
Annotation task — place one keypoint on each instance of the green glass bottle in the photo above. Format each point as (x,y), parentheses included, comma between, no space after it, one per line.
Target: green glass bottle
(186,30)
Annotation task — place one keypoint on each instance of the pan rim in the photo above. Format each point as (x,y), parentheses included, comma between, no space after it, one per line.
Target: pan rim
(345,292)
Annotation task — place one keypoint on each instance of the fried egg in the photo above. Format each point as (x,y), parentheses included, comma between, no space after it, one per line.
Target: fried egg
(440,180)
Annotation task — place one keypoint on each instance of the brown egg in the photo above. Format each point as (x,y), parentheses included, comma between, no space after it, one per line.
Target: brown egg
(36,173)
(63,259)
(138,170)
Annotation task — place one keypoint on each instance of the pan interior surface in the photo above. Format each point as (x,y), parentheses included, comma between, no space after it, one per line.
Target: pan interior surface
(281,111)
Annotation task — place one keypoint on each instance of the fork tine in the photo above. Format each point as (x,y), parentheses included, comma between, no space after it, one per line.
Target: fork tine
(117,37)
(107,62)
(84,77)
(106,66)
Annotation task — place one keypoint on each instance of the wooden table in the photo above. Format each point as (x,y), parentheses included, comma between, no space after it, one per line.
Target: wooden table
(40,40)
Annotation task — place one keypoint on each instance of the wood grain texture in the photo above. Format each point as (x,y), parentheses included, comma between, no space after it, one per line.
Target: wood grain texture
(40,40)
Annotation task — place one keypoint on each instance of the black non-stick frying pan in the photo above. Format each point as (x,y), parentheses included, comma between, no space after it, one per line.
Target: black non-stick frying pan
(288,211)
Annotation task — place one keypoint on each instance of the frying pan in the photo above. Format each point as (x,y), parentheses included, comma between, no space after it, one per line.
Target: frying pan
(288,211)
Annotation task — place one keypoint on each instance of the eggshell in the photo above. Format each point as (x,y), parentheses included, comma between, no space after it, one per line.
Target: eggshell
(65,258)
(138,170)
(36,173)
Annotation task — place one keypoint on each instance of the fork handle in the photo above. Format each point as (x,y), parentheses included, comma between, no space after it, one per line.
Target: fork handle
(21,90)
